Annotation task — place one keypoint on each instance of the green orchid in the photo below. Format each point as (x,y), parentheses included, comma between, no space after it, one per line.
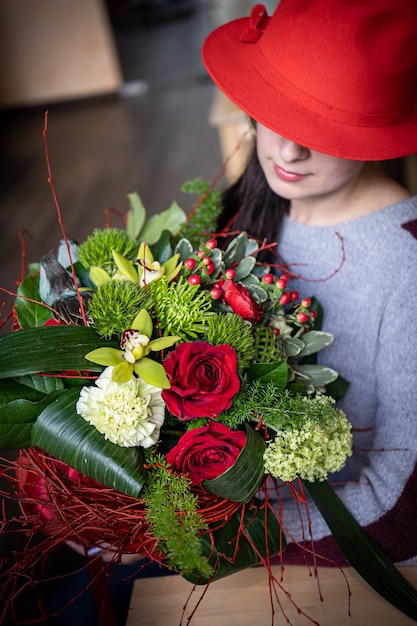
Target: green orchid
(144,272)
(136,343)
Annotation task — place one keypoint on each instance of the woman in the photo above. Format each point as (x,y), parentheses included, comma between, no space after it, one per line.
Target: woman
(332,87)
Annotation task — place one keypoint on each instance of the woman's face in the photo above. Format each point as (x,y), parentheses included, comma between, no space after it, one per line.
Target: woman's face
(298,173)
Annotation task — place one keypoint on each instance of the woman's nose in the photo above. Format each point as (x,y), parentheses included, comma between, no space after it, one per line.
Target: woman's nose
(291,151)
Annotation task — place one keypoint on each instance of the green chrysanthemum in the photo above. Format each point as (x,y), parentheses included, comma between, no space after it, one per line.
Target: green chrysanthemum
(182,309)
(234,330)
(97,249)
(115,305)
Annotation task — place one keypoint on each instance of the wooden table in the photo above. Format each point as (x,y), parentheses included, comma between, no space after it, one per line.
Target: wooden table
(243,599)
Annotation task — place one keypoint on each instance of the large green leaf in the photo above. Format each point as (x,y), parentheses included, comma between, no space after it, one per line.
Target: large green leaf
(241,481)
(228,557)
(30,313)
(17,419)
(60,431)
(48,349)
(361,552)
(171,220)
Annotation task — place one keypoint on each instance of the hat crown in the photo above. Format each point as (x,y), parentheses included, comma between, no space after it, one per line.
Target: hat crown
(337,76)
(352,58)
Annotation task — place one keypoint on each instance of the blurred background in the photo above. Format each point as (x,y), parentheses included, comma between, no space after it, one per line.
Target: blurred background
(130,108)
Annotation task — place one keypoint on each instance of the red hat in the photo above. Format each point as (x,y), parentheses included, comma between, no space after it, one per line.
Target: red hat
(336,76)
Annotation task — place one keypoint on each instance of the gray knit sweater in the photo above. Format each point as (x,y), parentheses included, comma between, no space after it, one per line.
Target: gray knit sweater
(370,306)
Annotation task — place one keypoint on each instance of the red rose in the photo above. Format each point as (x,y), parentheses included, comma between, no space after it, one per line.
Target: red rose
(241,302)
(205,453)
(203,380)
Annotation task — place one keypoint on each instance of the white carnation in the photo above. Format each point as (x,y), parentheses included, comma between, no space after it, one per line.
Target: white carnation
(127,414)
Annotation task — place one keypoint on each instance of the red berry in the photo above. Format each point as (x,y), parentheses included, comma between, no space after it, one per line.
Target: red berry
(230,274)
(211,244)
(285,298)
(294,295)
(268,279)
(313,314)
(190,264)
(210,268)
(200,254)
(194,279)
(284,277)
(302,317)
(206,260)
(216,293)
(276,331)
(281,283)
(306,302)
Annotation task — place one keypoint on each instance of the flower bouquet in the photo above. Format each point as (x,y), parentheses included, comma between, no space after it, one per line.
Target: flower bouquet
(161,387)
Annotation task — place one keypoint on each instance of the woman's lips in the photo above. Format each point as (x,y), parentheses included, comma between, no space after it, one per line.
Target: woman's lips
(288,176)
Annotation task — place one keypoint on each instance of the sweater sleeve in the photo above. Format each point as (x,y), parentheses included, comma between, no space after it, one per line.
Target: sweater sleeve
(384,499)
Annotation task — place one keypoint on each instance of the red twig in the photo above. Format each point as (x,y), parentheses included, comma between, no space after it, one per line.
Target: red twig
(61,223)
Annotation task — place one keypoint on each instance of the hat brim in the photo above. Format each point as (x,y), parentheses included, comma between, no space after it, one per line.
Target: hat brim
(231,64)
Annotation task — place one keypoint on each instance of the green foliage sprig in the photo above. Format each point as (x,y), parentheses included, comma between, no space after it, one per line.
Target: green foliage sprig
(204,217)
(173,515)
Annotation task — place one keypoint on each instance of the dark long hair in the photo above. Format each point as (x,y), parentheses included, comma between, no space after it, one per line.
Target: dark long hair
(250,204)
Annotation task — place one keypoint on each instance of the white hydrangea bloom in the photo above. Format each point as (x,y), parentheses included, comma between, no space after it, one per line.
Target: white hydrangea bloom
(127,414)
(311,451)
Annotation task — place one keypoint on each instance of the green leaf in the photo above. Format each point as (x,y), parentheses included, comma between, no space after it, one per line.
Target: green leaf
(241,481)
(17,419)
(30,314)
(14,390)
(318,375)
(43,384)
(136,215)
(227,557)
(171,220)
(60,431)
(48,349)
(236,250)
(184,249)
(314,341)
(292,346)
(361,552)
(244,267)
(276,373)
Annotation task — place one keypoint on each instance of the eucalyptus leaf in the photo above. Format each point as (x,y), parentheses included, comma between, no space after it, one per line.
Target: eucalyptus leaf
(241,481)
(252,246)
(236,250)
(318,375)
(244,267)
(314,341)
(228,557)
(60,431)
(29,313)
(184,249)
(258,293)
(48,349)
(292,346)
(361,552)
